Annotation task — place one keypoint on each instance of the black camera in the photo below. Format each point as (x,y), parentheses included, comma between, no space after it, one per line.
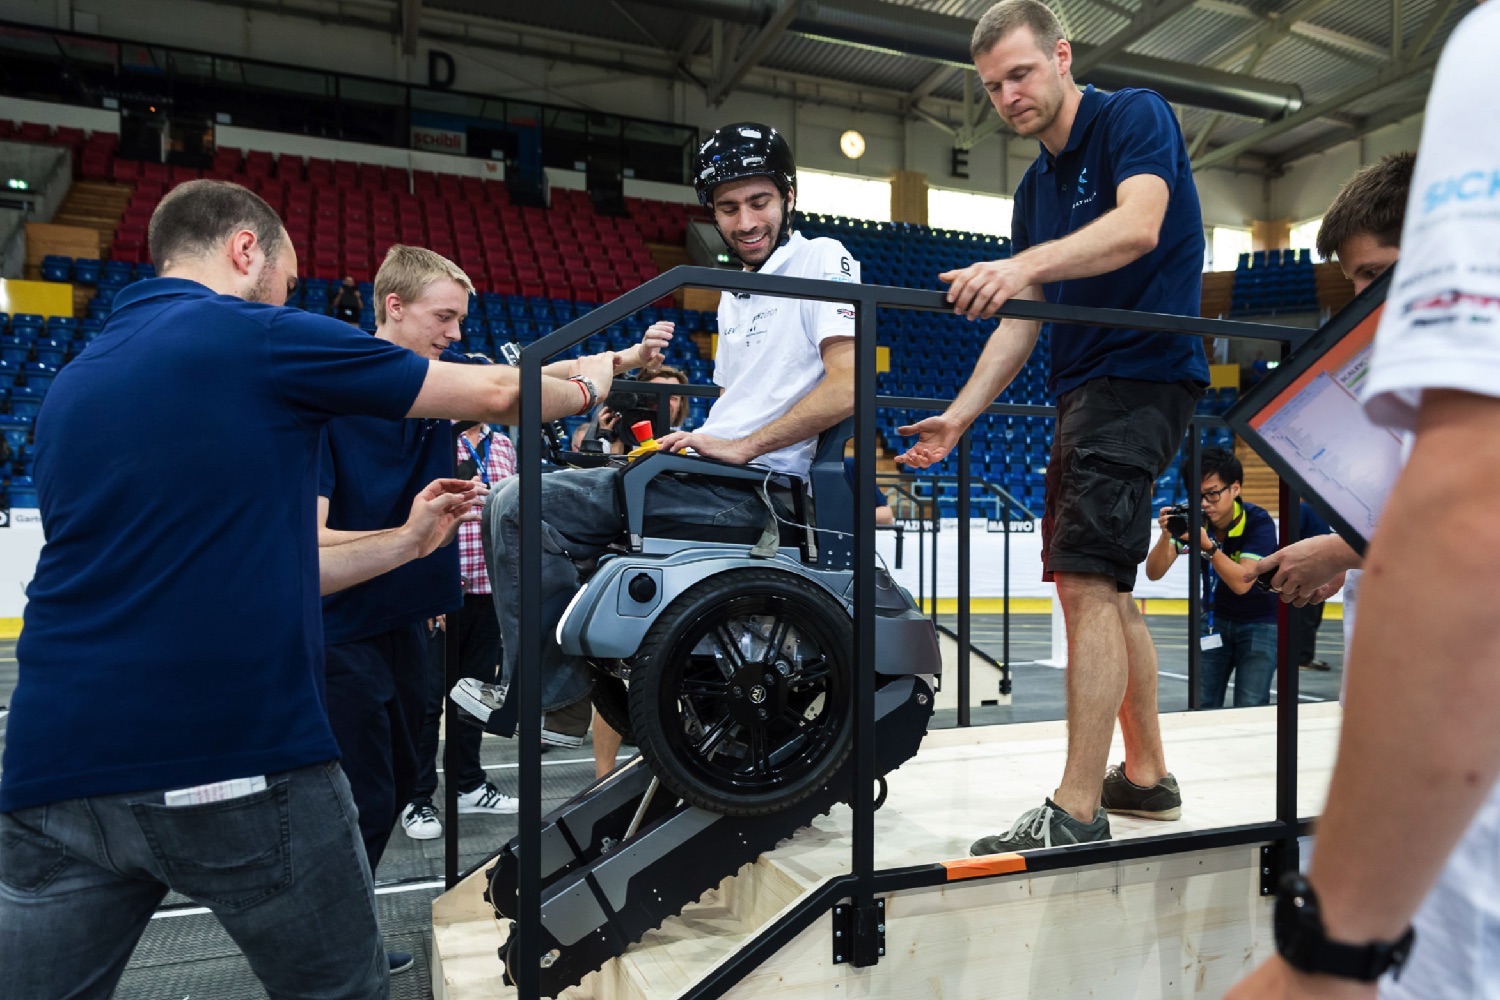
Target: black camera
(1177,520)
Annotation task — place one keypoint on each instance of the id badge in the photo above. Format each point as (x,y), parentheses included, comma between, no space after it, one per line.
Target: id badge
(1211,641)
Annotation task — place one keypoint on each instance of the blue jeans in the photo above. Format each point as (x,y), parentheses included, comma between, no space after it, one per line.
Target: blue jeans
(581,516)
(1248,652)
(282,869)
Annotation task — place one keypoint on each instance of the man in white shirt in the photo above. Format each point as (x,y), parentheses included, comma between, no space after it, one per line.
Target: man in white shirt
(1411,831)
(787,370)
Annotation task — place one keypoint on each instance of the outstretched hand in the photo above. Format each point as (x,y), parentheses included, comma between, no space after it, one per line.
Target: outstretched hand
(648,353)
(439,509)
(936,437)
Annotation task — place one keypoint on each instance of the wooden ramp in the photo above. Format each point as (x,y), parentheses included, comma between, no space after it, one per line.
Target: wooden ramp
(1169,926)
(984,676)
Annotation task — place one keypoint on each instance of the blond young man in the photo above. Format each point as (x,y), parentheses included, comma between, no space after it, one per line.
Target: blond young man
(374,634)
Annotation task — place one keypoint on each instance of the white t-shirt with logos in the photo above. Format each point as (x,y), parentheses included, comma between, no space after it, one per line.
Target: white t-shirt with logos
(769,354)
(1441,330)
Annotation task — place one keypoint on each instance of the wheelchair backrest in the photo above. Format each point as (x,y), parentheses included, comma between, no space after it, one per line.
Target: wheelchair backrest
(833,500)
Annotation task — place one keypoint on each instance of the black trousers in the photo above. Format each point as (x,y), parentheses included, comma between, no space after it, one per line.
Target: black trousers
(376,691)
(1303,625)
(478,633)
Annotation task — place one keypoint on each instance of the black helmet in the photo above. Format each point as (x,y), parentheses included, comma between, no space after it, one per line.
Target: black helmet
(744,149)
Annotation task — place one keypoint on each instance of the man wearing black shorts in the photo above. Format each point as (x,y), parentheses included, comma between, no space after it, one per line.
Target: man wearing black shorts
(1106,216)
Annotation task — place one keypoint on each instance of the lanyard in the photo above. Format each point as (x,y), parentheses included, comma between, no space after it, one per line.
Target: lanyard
(1213,592)
(481,457)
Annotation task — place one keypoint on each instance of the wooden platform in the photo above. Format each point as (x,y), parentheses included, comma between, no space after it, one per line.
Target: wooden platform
(1183,925)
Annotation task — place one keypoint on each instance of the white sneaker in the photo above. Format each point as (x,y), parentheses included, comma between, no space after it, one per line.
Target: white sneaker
(420,821)
(487,799)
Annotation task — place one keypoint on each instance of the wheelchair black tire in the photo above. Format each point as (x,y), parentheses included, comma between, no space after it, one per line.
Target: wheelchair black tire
(612,702)
(780,726)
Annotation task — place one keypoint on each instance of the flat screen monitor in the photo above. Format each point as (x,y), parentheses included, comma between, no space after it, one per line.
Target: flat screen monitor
(1305,418)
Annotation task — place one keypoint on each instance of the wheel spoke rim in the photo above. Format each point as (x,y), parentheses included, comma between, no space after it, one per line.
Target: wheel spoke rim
(714,740)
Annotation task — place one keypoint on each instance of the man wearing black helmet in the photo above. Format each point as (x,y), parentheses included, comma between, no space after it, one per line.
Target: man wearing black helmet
(787,370)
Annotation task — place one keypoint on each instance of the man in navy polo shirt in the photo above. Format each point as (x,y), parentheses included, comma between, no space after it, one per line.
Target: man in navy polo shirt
(1239,619)
(168,729)
(1106,216)
(375,633)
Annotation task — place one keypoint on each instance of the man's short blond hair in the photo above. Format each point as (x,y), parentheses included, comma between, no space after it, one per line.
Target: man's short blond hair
(407,272)
(1008,15)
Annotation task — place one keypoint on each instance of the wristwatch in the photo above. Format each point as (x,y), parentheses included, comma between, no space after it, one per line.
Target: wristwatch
(590,388)
(1303,942)
(1209,554)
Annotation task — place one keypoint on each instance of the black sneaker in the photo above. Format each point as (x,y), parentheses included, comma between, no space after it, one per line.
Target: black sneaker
(1047,825)
(567,726)
(1162,800)
(400,961)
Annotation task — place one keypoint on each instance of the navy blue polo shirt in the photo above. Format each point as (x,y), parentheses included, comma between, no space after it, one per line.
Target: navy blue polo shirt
(173,634)
(1115,137)
(1251,537)
(371,469)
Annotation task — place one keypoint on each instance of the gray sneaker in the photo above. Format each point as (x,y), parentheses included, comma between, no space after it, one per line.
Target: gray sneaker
(1162,800)
(561,727)
(1047,825)
(567,726)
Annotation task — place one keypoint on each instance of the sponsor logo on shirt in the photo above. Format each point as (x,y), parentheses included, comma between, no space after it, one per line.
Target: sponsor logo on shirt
(846,312)
(1473,185)
(1447,307)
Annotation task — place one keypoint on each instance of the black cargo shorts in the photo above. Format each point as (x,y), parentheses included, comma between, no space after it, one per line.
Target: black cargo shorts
(1114,436)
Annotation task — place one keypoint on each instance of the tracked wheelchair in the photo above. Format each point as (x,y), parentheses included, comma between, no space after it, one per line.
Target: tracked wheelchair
(729,662)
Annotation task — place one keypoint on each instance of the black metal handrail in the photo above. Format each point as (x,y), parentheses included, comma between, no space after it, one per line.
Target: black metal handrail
(862,883)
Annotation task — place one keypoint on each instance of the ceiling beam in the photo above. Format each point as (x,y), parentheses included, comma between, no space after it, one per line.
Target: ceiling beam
(1270,29)
(1114,8)
(1430,27)
(932,82)
(754,50)
(1398,112)
(1412,73)
(1147,19)
(1339,40)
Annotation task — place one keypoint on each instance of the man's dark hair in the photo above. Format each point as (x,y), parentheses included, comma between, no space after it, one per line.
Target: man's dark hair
(1373,203)
(195,217)
(1220,461)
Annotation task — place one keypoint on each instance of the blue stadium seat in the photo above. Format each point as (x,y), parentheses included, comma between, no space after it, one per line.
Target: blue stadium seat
(57,268)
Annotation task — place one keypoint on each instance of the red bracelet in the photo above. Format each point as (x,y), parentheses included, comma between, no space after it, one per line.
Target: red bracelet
(585,390)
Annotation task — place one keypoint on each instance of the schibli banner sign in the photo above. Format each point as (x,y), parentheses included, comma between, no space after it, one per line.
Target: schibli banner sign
(439,140)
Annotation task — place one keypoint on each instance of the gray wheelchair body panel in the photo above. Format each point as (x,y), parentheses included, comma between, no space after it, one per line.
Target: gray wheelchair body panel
(609,618)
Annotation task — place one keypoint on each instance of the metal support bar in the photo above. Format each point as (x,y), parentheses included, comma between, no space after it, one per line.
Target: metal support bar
(862,802)
(965,454)
(754,50)
(1195,568)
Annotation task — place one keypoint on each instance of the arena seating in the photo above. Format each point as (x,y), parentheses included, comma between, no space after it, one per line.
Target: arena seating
(1272,281)
(538,268)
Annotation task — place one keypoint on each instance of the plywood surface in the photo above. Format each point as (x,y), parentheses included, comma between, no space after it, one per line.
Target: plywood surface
(1184,925)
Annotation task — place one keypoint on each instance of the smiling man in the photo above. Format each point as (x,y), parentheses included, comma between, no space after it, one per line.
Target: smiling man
(787,370)
(1106,216)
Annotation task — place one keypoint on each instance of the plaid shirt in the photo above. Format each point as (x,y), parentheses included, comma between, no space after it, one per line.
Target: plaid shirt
(501,462)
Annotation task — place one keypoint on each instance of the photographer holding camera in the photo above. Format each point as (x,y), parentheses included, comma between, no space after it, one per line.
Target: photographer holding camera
(1239,621)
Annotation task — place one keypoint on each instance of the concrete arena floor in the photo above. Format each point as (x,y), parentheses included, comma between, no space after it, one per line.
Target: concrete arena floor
(184,955)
